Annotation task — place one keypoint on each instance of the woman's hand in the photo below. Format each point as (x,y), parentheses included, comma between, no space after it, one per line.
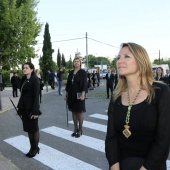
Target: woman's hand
(142,168)
(82,97)
(34,116)
(116,166)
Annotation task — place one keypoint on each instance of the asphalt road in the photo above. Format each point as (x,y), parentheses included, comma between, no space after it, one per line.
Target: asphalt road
(59,150)
(77,153)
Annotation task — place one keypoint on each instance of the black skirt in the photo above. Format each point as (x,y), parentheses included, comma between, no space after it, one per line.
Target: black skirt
(29,125)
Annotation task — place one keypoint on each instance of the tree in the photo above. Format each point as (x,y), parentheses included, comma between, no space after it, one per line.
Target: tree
(63,61)
(19,28)
(113,63)
(69,63)
(58,58)
(46,62)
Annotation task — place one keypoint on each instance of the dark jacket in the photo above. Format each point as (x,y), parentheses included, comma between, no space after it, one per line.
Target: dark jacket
(60,75)
(15,81)
(80,79)
(110,80)
(29,99)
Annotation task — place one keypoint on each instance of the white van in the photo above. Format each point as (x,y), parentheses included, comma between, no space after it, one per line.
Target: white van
(164,66)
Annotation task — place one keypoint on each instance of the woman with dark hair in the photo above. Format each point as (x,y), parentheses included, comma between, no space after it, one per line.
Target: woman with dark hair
(160,75)
(75,95)
(28,107)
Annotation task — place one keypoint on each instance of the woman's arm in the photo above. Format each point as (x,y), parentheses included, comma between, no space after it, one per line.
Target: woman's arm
(160,147)
(36,90)
(111,142)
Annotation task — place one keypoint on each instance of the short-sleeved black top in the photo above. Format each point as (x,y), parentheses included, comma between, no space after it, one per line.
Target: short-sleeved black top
(150,127)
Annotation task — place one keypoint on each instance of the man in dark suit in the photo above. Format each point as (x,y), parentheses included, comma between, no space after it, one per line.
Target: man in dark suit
(109,82)
(167,77)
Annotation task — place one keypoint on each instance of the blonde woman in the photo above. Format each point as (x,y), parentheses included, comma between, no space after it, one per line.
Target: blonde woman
(75,95)
(138,136)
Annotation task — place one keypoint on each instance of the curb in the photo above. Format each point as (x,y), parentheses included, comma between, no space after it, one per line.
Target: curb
(6,164)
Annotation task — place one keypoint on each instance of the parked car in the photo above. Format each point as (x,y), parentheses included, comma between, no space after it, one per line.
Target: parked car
(103,74)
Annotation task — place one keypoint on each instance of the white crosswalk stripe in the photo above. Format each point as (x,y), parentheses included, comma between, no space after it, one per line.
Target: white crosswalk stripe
(99,116)
(94,126)
(87,141)
(51,157)
(58,160)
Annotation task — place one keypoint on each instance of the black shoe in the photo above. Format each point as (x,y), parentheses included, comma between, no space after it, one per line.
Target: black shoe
(78,134)
(33,152)
(74,133)
(29,152)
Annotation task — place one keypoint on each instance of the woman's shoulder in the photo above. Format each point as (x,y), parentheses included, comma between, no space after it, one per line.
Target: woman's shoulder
(160,87)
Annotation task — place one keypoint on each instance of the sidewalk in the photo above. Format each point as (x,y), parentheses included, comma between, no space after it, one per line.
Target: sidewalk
(6,103)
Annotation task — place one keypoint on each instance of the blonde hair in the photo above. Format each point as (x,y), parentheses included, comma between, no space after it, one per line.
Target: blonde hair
(145,72)
(76,58)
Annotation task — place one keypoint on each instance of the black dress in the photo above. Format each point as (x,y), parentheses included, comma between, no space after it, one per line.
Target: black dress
(29,103)
(149,123)
(76,84)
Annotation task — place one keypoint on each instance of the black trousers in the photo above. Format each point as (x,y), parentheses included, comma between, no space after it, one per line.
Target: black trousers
(15,90)
(109,86)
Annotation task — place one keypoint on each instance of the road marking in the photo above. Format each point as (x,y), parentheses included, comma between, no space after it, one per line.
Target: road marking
(49,156)
(94,126)
(168,164)
(99,116)
(87,141)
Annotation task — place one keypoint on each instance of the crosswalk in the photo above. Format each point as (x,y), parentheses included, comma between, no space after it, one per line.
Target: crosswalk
(58,160)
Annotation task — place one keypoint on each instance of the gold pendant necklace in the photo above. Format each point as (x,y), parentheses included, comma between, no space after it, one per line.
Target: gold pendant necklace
(126,132)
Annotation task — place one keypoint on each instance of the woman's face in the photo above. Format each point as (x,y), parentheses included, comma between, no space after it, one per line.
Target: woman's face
(159,71)
(126,63)
(27,70)
(76,63)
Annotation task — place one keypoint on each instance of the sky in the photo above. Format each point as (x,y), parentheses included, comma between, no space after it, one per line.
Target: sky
(111,22)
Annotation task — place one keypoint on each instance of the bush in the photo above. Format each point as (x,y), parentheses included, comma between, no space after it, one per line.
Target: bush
(6,76)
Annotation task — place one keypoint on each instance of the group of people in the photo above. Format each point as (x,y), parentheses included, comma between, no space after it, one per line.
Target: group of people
(138,136)
(56,77)
(160,76)
(93,80)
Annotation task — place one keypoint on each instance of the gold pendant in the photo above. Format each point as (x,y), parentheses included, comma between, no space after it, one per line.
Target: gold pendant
(126,131)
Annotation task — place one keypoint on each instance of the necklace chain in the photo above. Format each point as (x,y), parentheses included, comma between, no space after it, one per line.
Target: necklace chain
(130,105)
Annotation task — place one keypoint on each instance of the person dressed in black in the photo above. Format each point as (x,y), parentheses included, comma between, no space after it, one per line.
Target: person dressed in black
(75,95)
(160,75)
(15,81)
(28,106)
(52,77)
(37,72)
(109,82)
(138,136)
(60,80)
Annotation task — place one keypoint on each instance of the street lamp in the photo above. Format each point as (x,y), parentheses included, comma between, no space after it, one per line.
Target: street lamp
(1,82)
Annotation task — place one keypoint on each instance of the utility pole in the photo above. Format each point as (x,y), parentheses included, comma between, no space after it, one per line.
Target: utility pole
(86,52)
(159,58)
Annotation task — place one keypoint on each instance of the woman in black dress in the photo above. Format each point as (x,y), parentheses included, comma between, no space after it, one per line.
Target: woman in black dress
(160,75)
(138,136)
(75,95)
(28,107)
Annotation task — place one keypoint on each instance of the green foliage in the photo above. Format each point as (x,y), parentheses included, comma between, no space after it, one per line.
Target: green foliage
(19,28)
(92,60)
(69,64)
(162,61)
(58,58)
(113,63)
(63,61)
(46,62)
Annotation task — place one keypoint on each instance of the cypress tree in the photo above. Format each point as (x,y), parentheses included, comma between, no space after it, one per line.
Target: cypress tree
(46,63)
(63,61)
(58,58)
